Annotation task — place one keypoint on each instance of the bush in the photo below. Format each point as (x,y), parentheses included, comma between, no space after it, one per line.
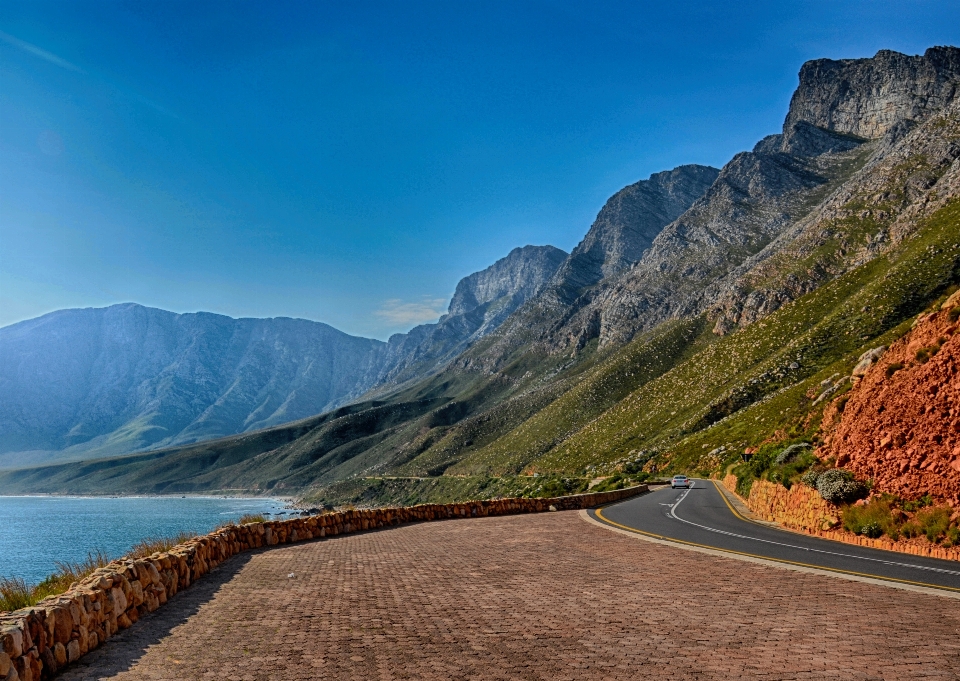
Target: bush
(934,522)
(922,502)
(252,518)
(871,519)
(839,486)
(954,314)
(953,537)
(152,545)
(810,478)
(893,368)
(791,453)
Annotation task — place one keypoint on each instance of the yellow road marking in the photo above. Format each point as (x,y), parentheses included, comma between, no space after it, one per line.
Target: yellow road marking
(600,515)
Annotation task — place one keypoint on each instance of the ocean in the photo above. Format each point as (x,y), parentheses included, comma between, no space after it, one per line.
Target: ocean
(35,531)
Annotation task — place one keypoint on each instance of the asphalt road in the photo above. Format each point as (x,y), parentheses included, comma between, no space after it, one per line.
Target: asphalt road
(702,517)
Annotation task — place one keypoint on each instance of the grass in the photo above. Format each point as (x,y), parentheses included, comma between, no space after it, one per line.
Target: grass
(16,593)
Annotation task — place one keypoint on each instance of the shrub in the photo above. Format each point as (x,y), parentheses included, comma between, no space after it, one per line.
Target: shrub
(954,314)
(791,453)
(810,478)
(910,530)
(934,522)
(839,486)
(953,537)
(152,545)
(252,518)
(871,519)
(922,502)
(893,368)
(842,402)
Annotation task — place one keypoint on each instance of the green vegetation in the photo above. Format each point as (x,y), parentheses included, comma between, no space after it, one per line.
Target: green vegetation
(15,593)
(895,518)
(872,519)
(248,518)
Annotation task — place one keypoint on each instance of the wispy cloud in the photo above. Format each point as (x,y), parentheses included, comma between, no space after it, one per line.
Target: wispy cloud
(38,52)
(398,312)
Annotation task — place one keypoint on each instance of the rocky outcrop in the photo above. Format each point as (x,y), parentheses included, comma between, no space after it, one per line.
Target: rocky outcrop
(900,425)
(907,177)
(869,97)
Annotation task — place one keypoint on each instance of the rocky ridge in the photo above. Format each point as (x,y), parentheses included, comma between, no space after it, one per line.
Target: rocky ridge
(728,253)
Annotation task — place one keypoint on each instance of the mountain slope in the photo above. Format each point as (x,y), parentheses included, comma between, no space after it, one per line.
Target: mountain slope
(95,382)
(481,302)
(815,246)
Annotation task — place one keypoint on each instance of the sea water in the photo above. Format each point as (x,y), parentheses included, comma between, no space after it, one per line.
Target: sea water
(36,532)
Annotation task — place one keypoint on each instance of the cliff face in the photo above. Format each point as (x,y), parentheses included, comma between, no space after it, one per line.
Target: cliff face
(520,275)
(736,252)
(629,222)
(868,97)
(901,423)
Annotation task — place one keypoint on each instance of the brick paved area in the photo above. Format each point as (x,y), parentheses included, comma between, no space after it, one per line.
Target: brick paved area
(527,597)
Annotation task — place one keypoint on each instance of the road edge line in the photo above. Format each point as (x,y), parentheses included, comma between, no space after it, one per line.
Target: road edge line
(637,534)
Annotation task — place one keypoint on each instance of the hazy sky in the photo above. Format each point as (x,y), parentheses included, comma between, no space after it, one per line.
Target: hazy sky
(349,162)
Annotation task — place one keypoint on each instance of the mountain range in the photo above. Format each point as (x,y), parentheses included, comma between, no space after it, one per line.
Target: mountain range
(698,316)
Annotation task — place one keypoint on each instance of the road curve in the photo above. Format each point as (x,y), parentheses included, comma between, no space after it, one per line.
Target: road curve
(701,516)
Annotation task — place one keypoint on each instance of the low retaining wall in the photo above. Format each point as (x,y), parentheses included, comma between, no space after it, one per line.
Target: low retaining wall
(38,641)
(802,508)
(799,508)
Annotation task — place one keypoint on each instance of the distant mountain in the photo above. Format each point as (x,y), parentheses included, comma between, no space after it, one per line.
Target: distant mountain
(125,377)
(96,382)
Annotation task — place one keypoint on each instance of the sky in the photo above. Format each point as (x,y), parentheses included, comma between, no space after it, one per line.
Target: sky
(350,162)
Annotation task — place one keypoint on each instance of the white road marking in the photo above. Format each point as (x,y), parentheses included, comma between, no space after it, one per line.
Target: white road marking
(673,514)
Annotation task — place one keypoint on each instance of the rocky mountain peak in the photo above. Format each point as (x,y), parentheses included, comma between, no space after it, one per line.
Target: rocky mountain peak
(868,97)
(629,222)
(522,273)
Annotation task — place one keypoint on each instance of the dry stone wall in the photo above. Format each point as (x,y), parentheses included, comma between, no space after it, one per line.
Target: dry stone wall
(802,508)
(38,641)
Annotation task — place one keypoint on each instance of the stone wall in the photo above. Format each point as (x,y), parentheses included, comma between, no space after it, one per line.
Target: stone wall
(802,508)
(36,642)
(799,508)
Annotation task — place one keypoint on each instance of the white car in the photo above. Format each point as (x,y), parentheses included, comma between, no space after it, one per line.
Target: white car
(680,481)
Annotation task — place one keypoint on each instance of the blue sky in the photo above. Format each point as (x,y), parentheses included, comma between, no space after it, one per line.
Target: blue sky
(350,162)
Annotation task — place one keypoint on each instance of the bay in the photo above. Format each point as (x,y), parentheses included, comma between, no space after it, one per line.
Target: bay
(36,531)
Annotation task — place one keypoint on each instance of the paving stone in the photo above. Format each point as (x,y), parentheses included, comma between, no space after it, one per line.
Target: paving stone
(525,597)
